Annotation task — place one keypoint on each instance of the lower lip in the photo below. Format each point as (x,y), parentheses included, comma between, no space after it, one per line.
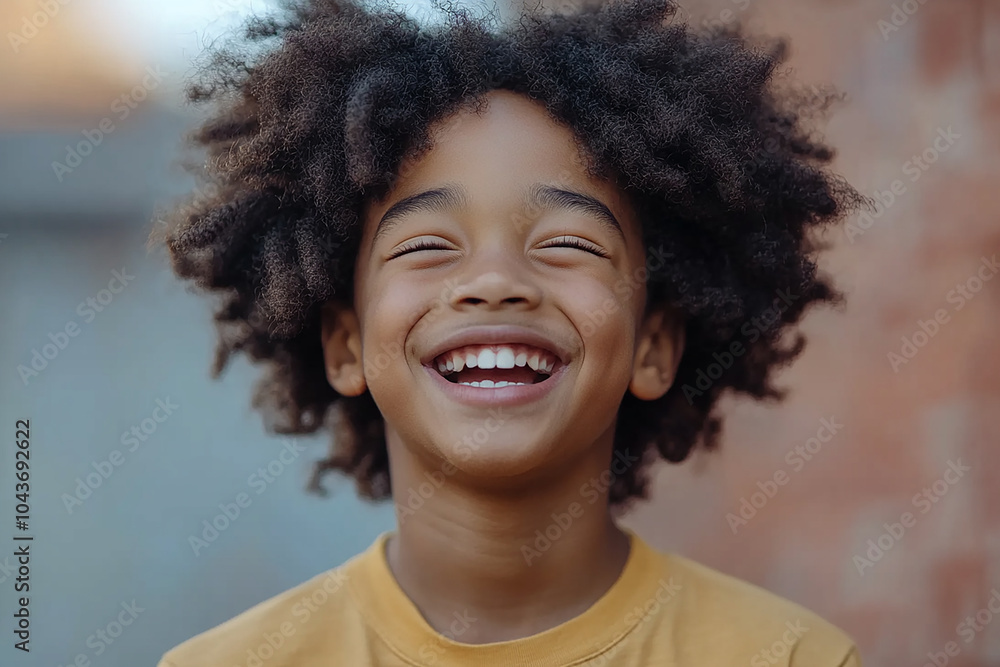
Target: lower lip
(510,395)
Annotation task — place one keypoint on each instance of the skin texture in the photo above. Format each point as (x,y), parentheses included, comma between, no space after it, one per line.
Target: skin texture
(498,263)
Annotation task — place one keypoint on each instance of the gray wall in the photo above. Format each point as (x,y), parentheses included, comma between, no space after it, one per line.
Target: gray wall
(129,540)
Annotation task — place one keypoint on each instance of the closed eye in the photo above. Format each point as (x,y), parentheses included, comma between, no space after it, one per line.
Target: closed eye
(419,244)
(561,242)
(577,242)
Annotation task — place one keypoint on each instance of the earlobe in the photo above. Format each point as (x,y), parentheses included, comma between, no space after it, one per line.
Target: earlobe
(341,341)
(658,354)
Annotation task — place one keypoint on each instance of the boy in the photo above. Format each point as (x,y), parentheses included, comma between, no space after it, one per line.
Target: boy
(493,262)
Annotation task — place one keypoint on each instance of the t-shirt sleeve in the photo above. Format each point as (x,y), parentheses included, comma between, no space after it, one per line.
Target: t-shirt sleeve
(824,644)
(852,659)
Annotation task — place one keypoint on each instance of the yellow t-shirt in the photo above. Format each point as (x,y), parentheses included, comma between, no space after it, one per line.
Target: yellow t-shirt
(664,611)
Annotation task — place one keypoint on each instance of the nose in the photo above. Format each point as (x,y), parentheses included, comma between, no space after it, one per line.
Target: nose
(494,283)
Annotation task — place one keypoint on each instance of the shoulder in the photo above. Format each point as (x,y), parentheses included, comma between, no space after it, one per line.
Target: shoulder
(277,631)
(740,621)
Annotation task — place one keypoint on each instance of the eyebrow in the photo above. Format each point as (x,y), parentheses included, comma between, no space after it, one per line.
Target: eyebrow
(546,196)
(439,199)
(540,195)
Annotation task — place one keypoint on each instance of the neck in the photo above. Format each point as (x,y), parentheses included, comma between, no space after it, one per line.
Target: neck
(510,565)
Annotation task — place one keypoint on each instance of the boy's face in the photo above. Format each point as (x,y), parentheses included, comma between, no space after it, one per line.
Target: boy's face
(499,264)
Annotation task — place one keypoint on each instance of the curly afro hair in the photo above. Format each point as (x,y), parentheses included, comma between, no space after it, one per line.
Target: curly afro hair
(315,107)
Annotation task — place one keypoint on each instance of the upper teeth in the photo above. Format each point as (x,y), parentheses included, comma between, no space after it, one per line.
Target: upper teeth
(496,356)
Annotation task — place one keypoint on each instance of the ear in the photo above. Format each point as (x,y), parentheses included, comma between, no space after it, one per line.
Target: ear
(658,353)
(341,340)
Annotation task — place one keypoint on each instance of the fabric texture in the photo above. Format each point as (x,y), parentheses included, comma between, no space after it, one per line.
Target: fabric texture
(664,611)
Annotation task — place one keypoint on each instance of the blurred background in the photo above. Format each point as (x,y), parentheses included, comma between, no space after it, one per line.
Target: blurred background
(102,350)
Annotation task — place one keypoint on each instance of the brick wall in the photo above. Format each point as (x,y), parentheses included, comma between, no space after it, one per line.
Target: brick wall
(930,72)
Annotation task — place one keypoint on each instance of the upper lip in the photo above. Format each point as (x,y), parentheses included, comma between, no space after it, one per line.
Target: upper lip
(494,335)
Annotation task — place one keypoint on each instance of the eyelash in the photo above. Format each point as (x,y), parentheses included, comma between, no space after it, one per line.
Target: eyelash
(566,242)
(423,244)
(576,242)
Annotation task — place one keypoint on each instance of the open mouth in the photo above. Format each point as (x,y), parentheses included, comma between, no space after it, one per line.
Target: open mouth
(496,365)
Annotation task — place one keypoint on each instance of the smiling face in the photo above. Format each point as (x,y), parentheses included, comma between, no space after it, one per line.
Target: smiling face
(497,254)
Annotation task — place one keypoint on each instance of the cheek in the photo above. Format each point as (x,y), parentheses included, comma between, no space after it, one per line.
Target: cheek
(391,308)
(605,314)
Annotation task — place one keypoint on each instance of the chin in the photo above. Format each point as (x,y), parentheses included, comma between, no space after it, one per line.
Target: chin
(500,456)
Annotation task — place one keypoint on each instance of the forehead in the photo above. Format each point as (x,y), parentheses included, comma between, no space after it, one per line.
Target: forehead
(497,154)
